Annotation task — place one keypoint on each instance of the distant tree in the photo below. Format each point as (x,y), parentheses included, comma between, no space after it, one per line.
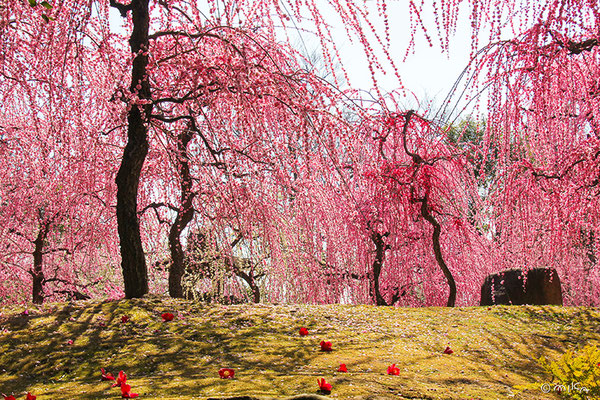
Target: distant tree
(56,223)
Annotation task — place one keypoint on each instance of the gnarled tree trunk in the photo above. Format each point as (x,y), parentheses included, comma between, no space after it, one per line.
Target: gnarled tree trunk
(437,250)
(380,248)
(184,216)
(37,272)
(133,262)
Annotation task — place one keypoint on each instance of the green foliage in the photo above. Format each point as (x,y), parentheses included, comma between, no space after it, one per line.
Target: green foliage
(576,375)
(469,136)
(46,5)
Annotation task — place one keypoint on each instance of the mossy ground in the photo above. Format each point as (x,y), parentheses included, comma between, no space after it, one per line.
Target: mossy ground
(494,349)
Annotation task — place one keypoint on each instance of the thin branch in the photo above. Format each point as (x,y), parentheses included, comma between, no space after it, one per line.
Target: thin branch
(156,206)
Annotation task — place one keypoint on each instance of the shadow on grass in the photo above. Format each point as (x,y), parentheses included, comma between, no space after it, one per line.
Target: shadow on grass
(180,359)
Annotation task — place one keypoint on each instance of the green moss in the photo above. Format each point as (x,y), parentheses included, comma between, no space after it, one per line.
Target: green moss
(494,350)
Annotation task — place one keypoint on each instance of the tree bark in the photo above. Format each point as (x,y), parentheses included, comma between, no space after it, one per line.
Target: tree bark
(133,262)
(380,248)
(184,216)
(249,278)
(437,250)
(37,273)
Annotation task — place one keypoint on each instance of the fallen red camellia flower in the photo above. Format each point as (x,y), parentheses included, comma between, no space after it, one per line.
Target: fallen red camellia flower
(324,386)
(30,396)
(121,379)
(303,331)
(124,319)
(226,373)
(448,350)
(343,368)
(106,376)
(325,346)
(11,397)
(393,370)
(126,392)
(167,317)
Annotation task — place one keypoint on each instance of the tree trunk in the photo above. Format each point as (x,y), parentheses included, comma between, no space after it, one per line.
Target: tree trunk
(133,262)
(437,250)
(37,273)
(184,216)
(249,278)
(425,213)
(380,248)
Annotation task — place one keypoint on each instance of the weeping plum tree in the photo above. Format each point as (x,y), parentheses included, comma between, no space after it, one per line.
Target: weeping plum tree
(237,119)
(185,65)
(188,27)
(543,119)
(57,236)
(53,207)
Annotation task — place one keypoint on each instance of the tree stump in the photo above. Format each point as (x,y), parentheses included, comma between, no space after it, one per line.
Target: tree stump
(537,286)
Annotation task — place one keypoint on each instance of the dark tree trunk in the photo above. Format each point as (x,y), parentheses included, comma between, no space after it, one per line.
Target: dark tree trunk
(380,248)
(425,213)
(37,273)
(184,216)
(437,250)
(249,278)
(237,269)
(133,262)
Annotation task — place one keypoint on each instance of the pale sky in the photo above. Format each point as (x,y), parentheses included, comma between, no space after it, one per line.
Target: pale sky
(427,72)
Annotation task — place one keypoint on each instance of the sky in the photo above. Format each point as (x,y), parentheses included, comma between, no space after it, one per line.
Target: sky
(427,72)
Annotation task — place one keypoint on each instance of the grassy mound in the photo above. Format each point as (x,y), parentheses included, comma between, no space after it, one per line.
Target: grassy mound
(56,351)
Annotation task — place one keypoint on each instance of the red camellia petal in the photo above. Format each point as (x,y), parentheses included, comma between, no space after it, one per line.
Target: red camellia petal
(393,370)
(30,396)
(126,392)
(303,331)
(325,346)
(124,319)
(125,388)
(343,368)
(11,397)
(226,373)
(106,376)
(448,350)
(324,386)
(121,379)
(167,317)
